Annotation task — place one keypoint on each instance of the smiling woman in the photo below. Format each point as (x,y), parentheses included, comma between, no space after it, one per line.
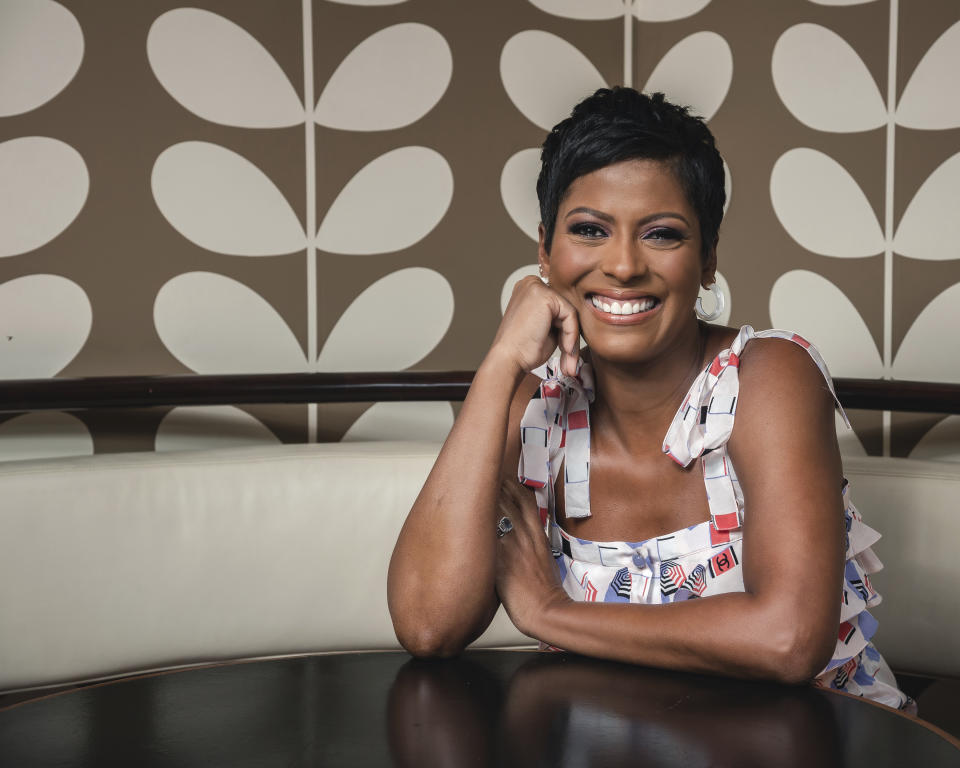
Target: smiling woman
(657,551)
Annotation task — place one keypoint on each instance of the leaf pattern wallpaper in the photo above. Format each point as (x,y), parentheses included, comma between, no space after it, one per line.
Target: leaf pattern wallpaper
(348,185)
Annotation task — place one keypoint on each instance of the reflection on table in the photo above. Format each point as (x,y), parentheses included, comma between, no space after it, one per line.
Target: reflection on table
(566,710)
(486,708)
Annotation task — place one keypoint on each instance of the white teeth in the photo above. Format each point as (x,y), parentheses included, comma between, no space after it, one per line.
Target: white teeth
(626,308)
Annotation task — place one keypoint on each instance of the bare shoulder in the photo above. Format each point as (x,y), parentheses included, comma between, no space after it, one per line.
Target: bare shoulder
(783,399)
(780,367)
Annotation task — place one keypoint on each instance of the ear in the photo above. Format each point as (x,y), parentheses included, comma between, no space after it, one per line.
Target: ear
(543,257)
(708,274)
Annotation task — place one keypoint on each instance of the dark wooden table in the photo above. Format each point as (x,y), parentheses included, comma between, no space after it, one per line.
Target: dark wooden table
(486,708)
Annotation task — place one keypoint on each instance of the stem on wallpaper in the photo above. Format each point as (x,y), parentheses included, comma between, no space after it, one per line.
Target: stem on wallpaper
(310,218)
(628,43)
(888,223)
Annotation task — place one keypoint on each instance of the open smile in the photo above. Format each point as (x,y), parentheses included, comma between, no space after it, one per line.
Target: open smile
(624,309)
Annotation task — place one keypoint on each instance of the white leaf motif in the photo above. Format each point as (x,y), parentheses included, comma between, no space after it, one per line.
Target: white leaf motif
(518,189)
(515,277)
(428,421)
(44,322)
(667,10)
(822,207)
(696,72)
(930,227)
(577,9)
(727,187)
(43,186)
(44,435)
(41,47)
(223,202)
(930,351)
(367,2)
(213,324)
(930,99)
(220,72)
(824,82)
(544,76)
(812,306)
(942,443)
(210,426)
(391,203)
(391,79)
(393,324)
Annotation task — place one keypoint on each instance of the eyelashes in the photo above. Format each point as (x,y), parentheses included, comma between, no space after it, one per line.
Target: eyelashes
(588,230)
(658,236)
(663,235)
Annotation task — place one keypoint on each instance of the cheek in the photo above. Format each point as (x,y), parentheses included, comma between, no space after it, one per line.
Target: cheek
(566,266)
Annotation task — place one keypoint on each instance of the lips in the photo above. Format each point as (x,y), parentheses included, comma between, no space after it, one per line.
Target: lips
(623,306)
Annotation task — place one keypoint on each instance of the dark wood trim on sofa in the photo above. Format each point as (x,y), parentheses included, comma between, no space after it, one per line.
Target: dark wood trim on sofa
(146,391)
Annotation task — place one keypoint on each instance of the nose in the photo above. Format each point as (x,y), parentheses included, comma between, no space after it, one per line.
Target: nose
(624,260)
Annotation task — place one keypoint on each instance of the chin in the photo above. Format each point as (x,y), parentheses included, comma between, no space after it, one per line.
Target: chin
(620,352)
(631,346)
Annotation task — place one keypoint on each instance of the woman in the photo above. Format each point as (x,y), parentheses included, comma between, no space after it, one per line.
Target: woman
(630,448)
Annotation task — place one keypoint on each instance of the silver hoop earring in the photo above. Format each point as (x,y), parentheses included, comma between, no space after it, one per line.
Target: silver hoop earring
(544,280)
(718,301)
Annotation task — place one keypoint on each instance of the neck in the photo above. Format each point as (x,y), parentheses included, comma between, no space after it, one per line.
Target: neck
(636,402)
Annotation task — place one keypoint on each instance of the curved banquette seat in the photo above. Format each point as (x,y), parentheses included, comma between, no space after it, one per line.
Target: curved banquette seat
(117,563)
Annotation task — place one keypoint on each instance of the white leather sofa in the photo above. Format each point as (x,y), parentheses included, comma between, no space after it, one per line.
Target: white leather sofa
(117,563)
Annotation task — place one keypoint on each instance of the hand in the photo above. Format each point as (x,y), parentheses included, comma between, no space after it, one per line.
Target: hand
(528,582)
(536,321)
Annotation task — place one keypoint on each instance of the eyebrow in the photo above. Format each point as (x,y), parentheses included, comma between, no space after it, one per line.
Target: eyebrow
(645,220)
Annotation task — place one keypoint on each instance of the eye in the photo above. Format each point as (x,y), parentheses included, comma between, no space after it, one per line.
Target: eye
(663,236)
(588,230)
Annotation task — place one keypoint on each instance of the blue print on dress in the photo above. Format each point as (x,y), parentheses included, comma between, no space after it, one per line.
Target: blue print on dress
(619,589)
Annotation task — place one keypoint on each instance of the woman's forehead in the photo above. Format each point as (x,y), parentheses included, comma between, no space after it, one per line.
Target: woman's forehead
(630,183)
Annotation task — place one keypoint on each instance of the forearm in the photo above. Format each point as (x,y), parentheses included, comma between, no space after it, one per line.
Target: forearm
(738,634)
(441,589)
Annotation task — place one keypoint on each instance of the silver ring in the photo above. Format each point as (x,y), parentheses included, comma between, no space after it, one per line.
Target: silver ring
(504,526)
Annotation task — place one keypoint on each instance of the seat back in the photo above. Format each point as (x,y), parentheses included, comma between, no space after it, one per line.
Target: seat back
(913,504)
(118,563)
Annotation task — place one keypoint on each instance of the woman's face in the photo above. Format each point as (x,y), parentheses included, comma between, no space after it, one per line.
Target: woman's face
(626,253)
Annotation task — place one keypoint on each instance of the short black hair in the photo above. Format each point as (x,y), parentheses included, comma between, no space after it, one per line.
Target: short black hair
(617,124)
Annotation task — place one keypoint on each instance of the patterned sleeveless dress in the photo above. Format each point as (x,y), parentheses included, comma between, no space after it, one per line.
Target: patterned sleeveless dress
(704,559)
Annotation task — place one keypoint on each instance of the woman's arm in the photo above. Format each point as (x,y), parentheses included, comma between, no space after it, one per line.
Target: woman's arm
(784,625)
(441,583)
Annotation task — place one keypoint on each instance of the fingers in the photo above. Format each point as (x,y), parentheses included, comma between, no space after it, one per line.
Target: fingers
(515,500)
(537,320)
(568,330)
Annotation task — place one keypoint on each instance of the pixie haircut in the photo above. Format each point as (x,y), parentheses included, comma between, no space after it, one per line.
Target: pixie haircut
(617,124)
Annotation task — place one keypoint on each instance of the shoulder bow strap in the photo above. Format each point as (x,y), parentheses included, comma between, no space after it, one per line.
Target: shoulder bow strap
(556,425)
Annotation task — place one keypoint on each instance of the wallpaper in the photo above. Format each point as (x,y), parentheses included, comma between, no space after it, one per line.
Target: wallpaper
(310,185)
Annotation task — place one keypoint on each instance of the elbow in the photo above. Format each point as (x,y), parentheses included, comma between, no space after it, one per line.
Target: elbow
(423,634)
(425,642)
(800,655)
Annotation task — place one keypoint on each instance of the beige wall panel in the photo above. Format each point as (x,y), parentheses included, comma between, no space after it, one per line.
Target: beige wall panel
(412,171)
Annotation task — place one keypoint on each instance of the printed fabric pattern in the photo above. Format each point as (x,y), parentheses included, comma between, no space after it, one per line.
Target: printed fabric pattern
(705,559)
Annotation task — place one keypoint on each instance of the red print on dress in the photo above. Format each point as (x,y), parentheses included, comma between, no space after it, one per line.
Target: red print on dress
(723,562)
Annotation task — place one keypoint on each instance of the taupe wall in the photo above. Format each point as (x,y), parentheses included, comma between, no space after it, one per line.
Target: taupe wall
(180,193)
